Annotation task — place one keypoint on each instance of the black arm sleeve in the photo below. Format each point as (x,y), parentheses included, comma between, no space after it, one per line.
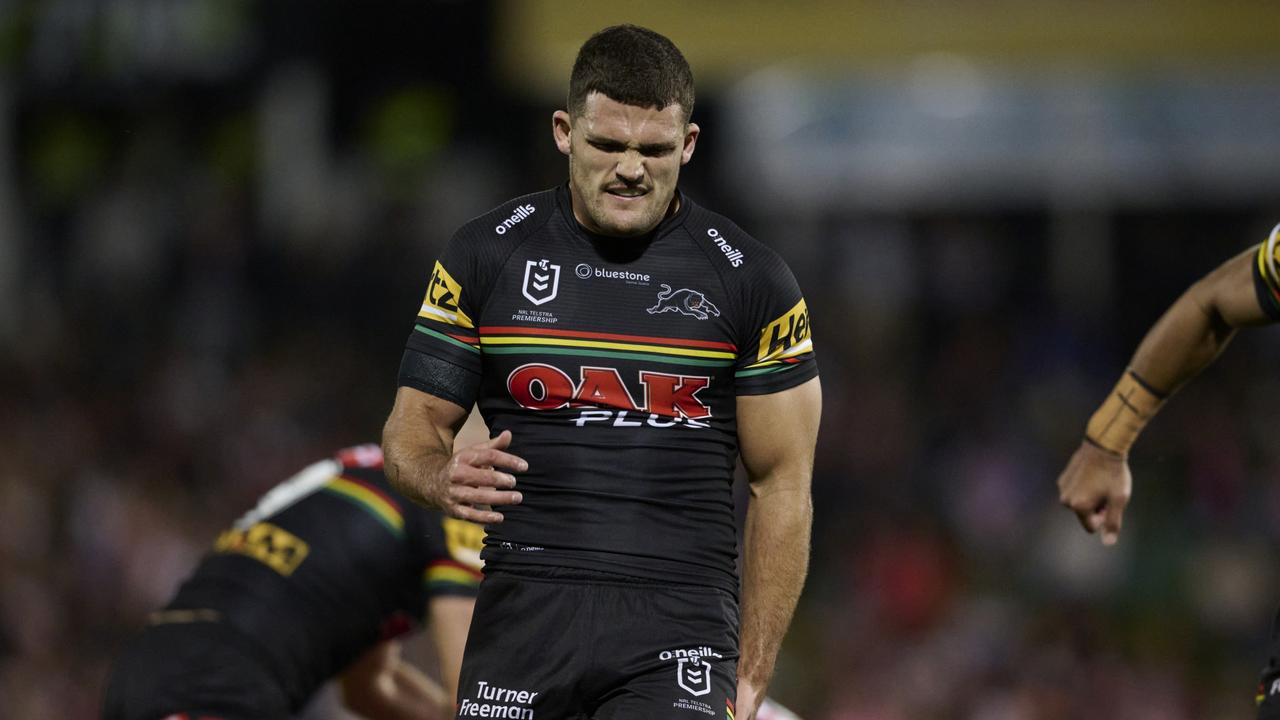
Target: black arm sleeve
(443,379)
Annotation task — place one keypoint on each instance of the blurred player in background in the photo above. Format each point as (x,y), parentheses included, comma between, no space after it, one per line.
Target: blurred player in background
(626,345)
(1244,291)
(317,581)
(771,710)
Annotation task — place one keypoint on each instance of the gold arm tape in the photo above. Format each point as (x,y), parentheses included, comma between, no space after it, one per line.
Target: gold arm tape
(1268,254)
(1123,415)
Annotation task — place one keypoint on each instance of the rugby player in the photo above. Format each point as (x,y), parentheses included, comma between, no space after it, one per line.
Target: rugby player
(319,580)
(1096,484)
(626,346)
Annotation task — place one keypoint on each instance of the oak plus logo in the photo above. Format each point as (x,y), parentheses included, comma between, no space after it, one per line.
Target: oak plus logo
(602,398)
(541,281)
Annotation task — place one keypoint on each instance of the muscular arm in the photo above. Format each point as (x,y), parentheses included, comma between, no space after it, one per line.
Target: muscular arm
(1096,483)
(420,462)
(380,684)
(777,434)
(1197,327)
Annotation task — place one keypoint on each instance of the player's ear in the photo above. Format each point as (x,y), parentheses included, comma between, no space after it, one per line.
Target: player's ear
(691,131)
(561,130)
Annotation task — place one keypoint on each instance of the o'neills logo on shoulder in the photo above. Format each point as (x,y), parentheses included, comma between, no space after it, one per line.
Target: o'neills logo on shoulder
(732,254)
(521,213)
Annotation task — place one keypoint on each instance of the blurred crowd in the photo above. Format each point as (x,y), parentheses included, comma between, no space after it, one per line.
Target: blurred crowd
(207,273)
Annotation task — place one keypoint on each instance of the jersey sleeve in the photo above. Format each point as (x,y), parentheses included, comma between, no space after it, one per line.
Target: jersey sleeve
(775,351)
(445,327)
(1266,275)
(454,565)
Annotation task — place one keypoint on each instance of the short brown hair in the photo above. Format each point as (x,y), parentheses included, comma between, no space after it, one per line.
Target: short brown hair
(634,66)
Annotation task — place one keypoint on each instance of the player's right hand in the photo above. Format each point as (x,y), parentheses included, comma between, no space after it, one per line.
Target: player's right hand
(474,479)
(1096,485)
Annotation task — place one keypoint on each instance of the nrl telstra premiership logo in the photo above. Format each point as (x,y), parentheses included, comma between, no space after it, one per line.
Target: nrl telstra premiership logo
(693,672)
(694,676)
(541,281)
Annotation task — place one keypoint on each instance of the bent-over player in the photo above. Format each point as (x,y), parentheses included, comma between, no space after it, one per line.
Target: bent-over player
(317,581)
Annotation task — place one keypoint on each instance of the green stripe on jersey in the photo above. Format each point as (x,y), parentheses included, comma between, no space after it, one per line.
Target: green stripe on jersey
(446,338)
(763,371)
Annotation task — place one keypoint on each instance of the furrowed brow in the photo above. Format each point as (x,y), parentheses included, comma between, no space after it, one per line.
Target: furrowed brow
(644,148)
(657,148)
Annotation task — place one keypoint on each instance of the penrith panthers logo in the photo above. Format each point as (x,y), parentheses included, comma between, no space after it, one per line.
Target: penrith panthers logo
(685,302)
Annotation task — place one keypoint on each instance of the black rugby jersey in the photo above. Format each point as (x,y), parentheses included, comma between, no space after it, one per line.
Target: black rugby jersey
(329,563)
(615,363)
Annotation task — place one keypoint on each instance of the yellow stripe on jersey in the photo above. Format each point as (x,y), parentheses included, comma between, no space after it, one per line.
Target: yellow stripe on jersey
(443,300)
(370,499)
(787,336)
(445,573)
(1268,260)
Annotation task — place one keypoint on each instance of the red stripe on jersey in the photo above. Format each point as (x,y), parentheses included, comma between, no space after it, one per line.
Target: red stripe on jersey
(677,342)
(373,489)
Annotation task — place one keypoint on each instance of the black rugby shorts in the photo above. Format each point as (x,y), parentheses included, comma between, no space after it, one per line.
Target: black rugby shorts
(190,669)
(551,644)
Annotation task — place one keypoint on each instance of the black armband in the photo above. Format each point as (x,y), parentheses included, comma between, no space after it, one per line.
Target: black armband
(441,378)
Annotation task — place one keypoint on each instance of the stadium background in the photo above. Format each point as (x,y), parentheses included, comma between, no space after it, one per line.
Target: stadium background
(216,219)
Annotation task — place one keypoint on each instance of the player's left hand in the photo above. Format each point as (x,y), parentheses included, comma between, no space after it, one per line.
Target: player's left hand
(1096,485)
(748,701)
(475,479)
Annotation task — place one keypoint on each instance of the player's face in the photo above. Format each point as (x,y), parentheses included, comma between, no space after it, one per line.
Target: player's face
(624,162)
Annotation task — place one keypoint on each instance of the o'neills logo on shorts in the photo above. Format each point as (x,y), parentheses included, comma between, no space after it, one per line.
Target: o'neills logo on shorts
(693,673)
(521,213)
(492,701)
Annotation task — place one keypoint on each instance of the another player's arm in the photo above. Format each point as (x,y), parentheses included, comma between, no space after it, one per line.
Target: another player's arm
(449,618)
(1096,483)
(777,434)
(420,462)
(381,684)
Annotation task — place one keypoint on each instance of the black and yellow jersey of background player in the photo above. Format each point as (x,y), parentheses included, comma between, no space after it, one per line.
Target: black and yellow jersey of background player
(1266,275)
(329,563)
(615,363)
